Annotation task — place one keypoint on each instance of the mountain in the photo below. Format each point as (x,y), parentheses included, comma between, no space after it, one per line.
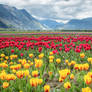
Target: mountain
(3,25)
(11,17)
(79,24)
(18,18)
(51,24)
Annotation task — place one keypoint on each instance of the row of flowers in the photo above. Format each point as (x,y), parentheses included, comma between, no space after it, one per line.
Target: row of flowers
(78,43)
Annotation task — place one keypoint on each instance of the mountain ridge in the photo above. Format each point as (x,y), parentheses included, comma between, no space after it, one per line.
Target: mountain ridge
(18,18)
(79,24)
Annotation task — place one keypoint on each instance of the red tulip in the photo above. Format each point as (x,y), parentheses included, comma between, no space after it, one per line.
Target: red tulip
(12,50)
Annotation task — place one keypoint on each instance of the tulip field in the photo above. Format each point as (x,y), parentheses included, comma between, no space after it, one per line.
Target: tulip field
(46,63)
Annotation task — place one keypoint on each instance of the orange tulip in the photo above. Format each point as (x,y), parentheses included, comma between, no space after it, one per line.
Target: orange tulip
(35,73)
(46,88)
(67,85)
(20,74)
(5,84)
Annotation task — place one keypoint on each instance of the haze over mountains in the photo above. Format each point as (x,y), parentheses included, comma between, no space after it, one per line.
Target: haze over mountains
(11,17)
(51,24)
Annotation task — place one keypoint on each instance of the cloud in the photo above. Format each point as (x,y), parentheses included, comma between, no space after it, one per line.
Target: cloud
(54,9)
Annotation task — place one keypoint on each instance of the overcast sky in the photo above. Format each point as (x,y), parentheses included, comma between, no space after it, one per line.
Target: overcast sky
(60,10)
